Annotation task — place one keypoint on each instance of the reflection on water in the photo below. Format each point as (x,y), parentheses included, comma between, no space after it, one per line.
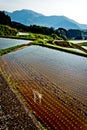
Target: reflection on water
(78,41)
(67,71)
(6,43)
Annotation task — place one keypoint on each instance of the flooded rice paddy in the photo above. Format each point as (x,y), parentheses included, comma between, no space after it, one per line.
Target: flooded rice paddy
(6,43)
(67,71)
(60,76)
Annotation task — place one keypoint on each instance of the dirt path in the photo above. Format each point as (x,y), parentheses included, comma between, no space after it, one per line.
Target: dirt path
(13,115)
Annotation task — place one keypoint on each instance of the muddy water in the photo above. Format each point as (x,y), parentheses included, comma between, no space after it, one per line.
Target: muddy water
(66,71)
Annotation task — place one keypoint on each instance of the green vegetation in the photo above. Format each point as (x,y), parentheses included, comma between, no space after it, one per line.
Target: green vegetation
(70,45)
(48,41)
(43,36)
(5,30)
(33,36)
(4,19)
(59,33)
(39,42)
(5,25)
(82,44)
(8,50)
(75,34)
(62,46)
(42,126)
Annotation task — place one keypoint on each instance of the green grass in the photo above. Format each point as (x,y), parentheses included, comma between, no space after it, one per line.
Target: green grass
(82,44)
(48,41)
(7,31)
(56,47)
(31,36)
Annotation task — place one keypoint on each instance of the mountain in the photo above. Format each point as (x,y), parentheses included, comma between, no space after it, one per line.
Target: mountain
(83,26)
(29,17)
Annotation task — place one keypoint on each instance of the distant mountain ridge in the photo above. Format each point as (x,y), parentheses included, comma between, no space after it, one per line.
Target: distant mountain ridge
(29,17)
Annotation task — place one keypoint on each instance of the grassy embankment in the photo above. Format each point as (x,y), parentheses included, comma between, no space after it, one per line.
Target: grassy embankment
(47,41)
(31,36)
(44,43)
(11,49)
(65,46)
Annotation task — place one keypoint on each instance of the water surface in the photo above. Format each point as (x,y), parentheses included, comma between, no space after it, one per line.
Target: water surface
(6,42)
(67,71)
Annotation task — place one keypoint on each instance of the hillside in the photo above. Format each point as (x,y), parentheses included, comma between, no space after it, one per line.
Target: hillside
(7,31)
(29,17)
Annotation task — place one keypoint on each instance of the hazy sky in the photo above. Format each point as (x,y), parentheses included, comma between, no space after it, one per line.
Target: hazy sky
(74,9)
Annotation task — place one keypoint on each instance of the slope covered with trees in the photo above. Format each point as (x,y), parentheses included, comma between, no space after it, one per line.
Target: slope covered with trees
(5,23)
(59,33)
(7,31)
(4,19)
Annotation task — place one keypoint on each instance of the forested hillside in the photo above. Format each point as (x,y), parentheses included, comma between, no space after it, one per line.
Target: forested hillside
(4,19)
(59,33)
(30,17)
(5,25)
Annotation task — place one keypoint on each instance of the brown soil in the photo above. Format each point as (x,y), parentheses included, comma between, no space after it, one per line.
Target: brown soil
(57,110)
(13,115)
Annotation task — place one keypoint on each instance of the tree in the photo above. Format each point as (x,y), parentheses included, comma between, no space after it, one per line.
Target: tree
(75,34)
(4,19)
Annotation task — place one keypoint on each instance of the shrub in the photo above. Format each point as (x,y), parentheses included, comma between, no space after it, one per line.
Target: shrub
(39,41)
(7,31)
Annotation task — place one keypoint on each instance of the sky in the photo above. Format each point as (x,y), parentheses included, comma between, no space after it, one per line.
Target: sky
(74,9)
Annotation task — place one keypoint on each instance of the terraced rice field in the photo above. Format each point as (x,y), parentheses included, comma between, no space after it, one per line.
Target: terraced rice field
(60,77)
(6,43)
